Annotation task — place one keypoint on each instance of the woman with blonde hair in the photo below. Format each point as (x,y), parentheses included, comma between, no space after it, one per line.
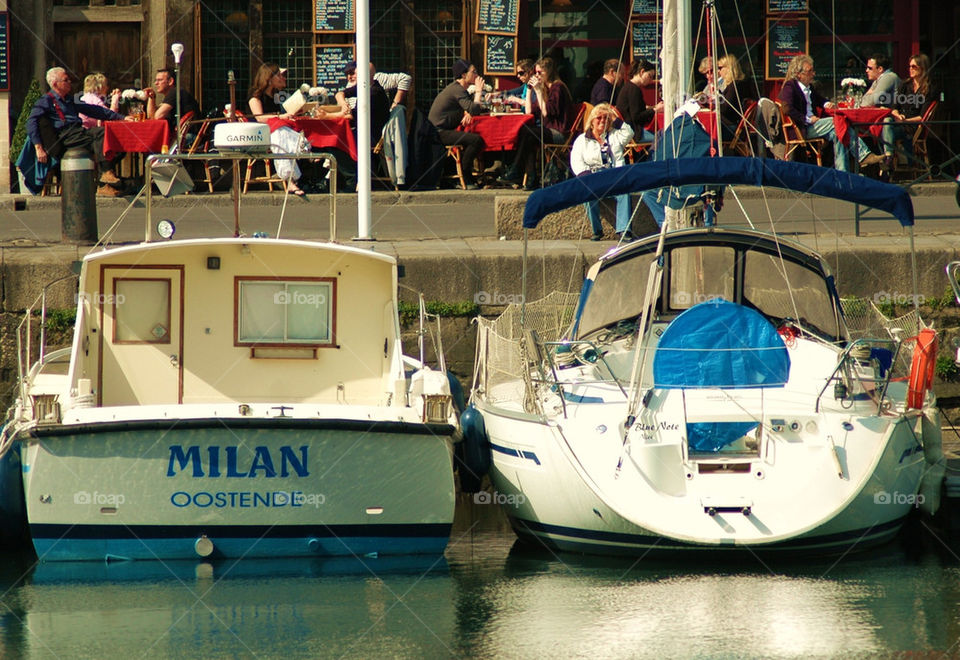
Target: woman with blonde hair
(94,92)
(735,92)
(601,147)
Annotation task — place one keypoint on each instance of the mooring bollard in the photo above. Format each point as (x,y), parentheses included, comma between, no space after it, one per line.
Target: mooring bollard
(78,198)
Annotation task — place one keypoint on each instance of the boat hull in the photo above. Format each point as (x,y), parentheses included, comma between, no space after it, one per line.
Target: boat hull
(224,488)
(550,501)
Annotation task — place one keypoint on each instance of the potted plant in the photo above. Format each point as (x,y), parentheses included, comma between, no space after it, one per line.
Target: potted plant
(34,92)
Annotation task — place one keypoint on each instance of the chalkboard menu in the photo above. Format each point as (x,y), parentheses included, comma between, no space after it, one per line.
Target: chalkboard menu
(643,40)
(786,38)
(499,55)
(4,51)
(334,15)
(774,6)
(330,61)
(498,16)
(645,7)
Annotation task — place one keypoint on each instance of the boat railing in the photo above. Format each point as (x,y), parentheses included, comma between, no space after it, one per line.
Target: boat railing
(30,356)
(843,375)
(953,268)
(155,164)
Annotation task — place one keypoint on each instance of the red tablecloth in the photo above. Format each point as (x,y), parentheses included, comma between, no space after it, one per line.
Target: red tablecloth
(707,119)
(845,118)
(135,136)
(322,133)
(499,132)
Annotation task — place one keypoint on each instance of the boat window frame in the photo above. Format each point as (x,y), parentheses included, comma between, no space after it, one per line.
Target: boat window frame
(117,300)
(329,342)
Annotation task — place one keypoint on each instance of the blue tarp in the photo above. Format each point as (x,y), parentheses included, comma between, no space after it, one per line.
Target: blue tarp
(720,344)
(684,138)
(734,170)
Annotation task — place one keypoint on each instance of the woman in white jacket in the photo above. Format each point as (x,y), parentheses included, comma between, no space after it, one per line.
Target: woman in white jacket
(600,147)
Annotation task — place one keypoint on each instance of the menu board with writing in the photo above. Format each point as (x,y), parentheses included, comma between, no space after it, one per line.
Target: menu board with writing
(774,6)
(498,16)
(4,51)
(646,7)
(334,15)
(786,38)
(330,61)
(644,40)
(499,55)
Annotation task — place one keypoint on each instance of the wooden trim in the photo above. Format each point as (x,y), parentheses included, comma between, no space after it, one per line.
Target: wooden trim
(332,343)
(98,15)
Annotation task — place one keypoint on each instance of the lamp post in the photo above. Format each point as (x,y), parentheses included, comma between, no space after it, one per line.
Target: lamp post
(177,50)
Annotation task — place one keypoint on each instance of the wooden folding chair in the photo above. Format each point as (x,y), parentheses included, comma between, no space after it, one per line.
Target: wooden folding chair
(740,142)
(635,151)
(454,151)
(587,109)
(795,139)
(919,161)
(378,158)
(201,145)
(560,153)
(268,178)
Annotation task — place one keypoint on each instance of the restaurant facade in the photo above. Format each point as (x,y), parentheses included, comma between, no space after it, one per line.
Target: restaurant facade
(129,39)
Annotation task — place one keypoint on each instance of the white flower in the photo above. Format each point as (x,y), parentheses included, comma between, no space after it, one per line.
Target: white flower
(141,95)
(472,89)
(304,89)
(318,91)
(128,94)
(853,82)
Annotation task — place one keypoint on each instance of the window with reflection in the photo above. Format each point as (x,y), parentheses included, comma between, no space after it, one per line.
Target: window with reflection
(699,274)
(278,312)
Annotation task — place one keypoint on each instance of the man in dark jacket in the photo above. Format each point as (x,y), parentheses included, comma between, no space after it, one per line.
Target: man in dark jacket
(607,87)
(454,107)
(57,110)
(802,104)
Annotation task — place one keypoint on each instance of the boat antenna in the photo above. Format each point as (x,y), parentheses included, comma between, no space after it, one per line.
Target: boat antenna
(234,164)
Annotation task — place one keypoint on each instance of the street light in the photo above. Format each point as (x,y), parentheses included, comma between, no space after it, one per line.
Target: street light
(177,50)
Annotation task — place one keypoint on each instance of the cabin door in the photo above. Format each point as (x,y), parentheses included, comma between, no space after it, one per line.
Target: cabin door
(141,359)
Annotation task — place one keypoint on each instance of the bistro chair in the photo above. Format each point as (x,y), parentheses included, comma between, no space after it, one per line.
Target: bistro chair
(269,178)
(559,154)
(813,147)
(919,161)
(740,142)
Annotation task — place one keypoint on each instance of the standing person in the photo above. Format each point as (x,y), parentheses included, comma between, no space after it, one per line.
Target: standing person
(601,147)
(264,106)
(607,87)
(54,125)
(735,92)
(883,83)
(802,103)
(631,104)
(552,105)
(165,88)
(911,102)
(95,90)
(454,107)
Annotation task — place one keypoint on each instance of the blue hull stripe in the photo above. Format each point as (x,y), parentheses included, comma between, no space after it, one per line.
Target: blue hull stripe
(528,528)
(53,532)
(516,453)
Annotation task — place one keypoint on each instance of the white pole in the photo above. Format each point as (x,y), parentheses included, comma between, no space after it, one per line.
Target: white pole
(364,146)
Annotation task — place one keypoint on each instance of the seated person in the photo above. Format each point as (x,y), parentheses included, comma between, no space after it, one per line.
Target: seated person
(518,95)
(552,105)
(631,104)
(165,88)
(379,102)
(706,86)
(801,102)
(883,83)
(95,90)
(396,85)
(911,102)
(267,82)
(455,107)
(59,112)
(735,94)
(601,147)
(607,87)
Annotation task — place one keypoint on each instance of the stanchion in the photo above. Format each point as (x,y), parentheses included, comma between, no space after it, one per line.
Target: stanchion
(78,199)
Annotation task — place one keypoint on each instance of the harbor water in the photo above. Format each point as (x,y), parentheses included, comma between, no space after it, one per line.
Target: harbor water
(489,597)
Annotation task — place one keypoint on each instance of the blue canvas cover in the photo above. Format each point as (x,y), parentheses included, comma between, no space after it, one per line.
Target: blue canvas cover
(720,344)
(683,138)
(801,177)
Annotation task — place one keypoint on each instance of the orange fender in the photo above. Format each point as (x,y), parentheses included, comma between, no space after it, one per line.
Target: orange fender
(922,367)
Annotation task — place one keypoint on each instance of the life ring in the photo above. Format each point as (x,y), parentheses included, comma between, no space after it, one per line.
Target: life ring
(922,367)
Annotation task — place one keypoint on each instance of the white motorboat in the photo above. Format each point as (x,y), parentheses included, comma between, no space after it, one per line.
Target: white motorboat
(233,397)
(705,391)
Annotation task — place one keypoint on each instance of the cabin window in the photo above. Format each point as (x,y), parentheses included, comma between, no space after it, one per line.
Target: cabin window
(699,274)
(279,312)
(141,311)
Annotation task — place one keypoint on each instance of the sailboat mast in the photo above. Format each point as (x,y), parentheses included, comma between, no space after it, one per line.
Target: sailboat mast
(675,55)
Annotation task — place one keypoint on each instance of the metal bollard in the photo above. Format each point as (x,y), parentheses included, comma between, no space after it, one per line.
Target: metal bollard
(78,199)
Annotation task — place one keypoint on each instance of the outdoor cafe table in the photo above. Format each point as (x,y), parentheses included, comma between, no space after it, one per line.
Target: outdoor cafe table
(500,131)
(144,137)
(322,133)
(846,118)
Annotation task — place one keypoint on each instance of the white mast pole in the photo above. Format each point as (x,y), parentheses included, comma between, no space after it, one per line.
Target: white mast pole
(364,147)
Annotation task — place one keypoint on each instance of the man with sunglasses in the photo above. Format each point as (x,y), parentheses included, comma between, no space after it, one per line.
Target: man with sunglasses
(883,83)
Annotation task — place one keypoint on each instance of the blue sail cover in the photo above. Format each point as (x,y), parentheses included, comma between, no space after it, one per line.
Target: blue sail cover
(728,171)
(720,344)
